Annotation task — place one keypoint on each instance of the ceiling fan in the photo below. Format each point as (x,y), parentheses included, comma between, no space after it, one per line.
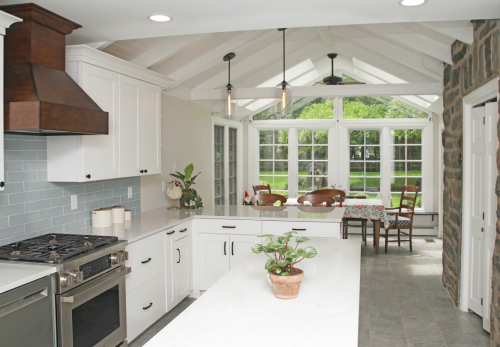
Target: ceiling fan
(335,80)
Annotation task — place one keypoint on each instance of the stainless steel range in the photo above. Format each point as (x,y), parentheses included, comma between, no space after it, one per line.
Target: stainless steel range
(89,285)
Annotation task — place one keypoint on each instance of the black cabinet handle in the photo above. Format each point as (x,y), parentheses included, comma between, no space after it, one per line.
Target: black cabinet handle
(232,248)
(179,255)
(150,304)
(299,229)
(88,176)
(183,230)
(142,171)
(228,227)
(224,247)
(170,233)
(146,261)
(2,184)
(145,171)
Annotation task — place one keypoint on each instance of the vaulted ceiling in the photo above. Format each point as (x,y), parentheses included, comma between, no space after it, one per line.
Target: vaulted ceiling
(391,53)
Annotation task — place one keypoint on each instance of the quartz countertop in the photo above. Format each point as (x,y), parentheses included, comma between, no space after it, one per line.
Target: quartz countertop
(241,310)
(154,221)
(13,275)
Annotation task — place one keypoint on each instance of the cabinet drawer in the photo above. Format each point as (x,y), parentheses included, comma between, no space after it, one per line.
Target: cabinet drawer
(145,305)
(146,257)
(230,226)
(309,229)
(181,231)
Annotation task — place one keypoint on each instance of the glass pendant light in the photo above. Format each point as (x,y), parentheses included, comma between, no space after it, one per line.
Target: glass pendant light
(229,104)
(283,92)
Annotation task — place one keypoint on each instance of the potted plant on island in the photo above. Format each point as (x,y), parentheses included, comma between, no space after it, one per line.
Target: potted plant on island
(189,198)
(285,277)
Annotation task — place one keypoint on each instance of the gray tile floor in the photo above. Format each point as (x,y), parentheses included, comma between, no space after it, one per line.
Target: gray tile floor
(161,323)
(403,302)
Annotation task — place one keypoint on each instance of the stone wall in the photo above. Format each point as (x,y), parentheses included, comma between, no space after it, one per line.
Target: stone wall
(473,66)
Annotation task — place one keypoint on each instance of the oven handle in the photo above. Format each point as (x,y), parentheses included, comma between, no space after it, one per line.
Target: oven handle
(69,297)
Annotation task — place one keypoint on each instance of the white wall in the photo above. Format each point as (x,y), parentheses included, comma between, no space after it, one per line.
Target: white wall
(186,138)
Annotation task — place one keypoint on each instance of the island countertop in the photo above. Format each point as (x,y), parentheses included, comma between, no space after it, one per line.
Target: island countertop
(241,310)
(13,275)
(154,221)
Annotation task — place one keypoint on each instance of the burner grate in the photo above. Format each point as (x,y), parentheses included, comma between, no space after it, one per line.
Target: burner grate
(53,248)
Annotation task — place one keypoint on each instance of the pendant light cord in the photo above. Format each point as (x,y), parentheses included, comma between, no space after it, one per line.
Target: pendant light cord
(284,55)
(229,73)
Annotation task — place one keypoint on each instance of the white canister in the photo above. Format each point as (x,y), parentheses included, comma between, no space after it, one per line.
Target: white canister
(118,214)
(128,215)
(101,218)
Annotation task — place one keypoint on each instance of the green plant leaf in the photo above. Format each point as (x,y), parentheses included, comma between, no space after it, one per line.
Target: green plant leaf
(282,250)
(301,253)
(311,252)
(179,176)
(268,249)
(292,254)
(257,248)
(274,245)
(270,263)
(281,239)
(278,271)
(290,233)
(282,262)
(285,274)
(194,177)
(300,239)
(188,171)
(289,260)
(267,235)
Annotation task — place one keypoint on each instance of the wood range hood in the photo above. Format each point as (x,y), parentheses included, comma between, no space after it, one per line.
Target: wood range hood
(40,97)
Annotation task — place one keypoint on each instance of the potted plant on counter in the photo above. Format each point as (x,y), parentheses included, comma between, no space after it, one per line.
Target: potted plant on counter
(285,277)
(189,198)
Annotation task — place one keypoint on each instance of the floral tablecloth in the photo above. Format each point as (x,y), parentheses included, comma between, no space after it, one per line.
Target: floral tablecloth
(372,209)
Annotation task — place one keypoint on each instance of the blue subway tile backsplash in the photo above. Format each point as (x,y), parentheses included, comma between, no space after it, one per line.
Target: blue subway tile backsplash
(31,206)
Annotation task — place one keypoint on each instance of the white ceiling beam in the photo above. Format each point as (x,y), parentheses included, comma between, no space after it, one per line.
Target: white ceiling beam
(100,45)
(326,36)
(164,50)
(241,65)
(412,40)
(389,50)
(215,56)
(461,30)
(329,91)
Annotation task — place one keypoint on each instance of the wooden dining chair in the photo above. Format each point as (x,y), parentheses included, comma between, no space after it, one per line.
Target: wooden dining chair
(402,219)
(348,222)
(331,192)
(258,188)
(268,199)
(316,200)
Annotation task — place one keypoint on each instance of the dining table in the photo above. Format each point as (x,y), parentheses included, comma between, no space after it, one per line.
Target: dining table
(369,209)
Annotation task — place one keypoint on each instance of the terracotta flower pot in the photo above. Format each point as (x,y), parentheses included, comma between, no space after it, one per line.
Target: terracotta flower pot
(286,287)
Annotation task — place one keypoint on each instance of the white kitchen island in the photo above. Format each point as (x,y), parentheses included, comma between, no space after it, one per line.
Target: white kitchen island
(241,310)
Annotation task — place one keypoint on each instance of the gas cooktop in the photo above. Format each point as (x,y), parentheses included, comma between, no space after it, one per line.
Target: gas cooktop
(53,248)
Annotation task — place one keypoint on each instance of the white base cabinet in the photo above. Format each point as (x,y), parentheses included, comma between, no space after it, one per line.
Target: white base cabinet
(220,253)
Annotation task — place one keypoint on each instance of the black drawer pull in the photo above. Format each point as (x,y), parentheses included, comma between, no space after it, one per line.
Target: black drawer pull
(146,261)
(179,255)
(150,304)
(183,230)
(224,247)
(170,233)
(299,229)
(228,227)
(232,248)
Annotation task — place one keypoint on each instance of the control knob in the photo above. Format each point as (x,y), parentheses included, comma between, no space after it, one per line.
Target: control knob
(77,275)
(66,280)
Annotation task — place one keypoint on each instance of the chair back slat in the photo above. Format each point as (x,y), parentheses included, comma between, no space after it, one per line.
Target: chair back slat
(317,200)
(355,197)
(268,199)
(258,188)
(331,192)
(408,198)
(405,197)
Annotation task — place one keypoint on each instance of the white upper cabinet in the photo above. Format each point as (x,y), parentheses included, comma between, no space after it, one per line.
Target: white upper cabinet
(133,145)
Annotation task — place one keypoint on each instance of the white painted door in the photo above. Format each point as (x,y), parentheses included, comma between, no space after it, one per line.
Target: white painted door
(183,268)
(101,151)
(151,117)
(213,258)
(490,205)
(131,126)
(477,210)
(170,259)
(241,247)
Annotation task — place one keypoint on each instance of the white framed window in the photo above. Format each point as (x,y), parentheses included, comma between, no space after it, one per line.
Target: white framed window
(364,163)
(273,160)
(227,154)
(312,160)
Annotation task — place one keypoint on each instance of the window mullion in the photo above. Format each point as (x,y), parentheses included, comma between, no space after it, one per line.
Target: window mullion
(293,163)
(385,166)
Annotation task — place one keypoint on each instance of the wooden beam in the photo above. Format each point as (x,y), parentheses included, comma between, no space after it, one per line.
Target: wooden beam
(329,91)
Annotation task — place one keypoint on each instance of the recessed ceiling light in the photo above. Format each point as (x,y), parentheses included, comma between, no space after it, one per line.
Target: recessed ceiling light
(412,3)
(159,17)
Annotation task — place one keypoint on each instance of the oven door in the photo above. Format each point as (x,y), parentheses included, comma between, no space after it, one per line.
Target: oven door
(94,313)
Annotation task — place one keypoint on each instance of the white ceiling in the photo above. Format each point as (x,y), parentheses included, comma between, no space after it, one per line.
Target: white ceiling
(112,20)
